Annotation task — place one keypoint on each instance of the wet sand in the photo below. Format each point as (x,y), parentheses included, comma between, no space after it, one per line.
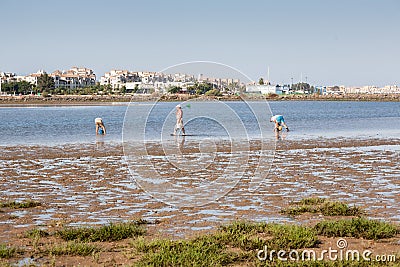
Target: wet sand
(90,184)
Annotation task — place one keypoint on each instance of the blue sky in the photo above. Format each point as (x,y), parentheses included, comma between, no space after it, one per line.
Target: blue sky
(353,42)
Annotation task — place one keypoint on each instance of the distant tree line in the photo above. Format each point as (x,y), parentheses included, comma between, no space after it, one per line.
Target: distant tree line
(305,87)
(197,89)
(46,86)
(17,88)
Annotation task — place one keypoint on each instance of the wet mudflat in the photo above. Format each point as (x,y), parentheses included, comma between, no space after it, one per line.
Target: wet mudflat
(90,184)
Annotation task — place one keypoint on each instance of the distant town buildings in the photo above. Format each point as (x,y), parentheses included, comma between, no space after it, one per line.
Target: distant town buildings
(323,90)
(268,88)
(33,77)
(145,82)
(148,82)
(118,78)
(74,78)
(371,90)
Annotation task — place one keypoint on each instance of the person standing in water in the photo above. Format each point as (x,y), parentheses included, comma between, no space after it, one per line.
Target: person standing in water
(179,121)
(279,122)
(100,128)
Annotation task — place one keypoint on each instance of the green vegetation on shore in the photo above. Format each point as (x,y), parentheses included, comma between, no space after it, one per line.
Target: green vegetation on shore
(36,233)
(234,244)
(324,206)
(358,228)
(7,251)
(111,232)
(239,242)
(73,248)
(20,205)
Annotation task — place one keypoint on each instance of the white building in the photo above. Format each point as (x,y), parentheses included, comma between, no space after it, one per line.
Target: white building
(7,77)
(33,77)
(264,89)
(74,78)
(119,78)
(388,89)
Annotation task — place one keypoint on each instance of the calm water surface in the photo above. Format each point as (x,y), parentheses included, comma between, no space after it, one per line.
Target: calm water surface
(54,125)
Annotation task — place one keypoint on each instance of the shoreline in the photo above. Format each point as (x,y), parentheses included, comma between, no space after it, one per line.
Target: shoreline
(294,144)
(110,99)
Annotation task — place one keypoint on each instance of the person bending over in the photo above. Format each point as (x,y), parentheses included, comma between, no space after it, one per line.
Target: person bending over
(279,122)
(100,128)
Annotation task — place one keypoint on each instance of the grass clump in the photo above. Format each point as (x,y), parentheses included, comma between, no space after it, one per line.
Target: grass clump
(111,232)
(73,248)
(312,201)
(197,252)
(323,206)
(337,208)
(357,227)
(361,263)
(36,233)
(20,205)
(7,252)
(292,236)
(234,243)
(250,236)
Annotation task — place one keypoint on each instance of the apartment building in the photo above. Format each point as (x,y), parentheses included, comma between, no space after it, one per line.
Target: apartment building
(74,78)
(119,78)
(7,77)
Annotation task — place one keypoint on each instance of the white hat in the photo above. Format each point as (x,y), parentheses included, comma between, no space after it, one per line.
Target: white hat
(178,106)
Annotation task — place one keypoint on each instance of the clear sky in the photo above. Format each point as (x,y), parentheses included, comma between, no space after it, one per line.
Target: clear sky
(332,42)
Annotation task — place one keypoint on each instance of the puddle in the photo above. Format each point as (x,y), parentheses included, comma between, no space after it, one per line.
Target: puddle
(25,262)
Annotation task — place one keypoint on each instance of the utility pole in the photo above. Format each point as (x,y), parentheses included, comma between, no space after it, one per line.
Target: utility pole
(309,89)
(301,81)
(291,86)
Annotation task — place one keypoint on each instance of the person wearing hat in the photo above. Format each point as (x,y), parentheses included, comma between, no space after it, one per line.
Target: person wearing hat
(179,121)
(100,128)
(279,122)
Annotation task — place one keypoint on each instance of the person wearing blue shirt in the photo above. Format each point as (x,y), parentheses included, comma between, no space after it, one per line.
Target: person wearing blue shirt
(100,128)
(279,122)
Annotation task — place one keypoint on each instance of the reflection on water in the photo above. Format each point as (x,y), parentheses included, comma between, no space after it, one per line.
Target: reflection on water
(100,141)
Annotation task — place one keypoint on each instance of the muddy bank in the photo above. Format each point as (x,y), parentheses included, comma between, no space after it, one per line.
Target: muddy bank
(344,97)
(107,99)
(92,184)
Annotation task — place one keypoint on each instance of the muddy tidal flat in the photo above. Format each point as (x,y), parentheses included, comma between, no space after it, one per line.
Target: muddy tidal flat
(90,184)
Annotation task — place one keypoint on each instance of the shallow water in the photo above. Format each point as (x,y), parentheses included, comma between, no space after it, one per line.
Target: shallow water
(55,125)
